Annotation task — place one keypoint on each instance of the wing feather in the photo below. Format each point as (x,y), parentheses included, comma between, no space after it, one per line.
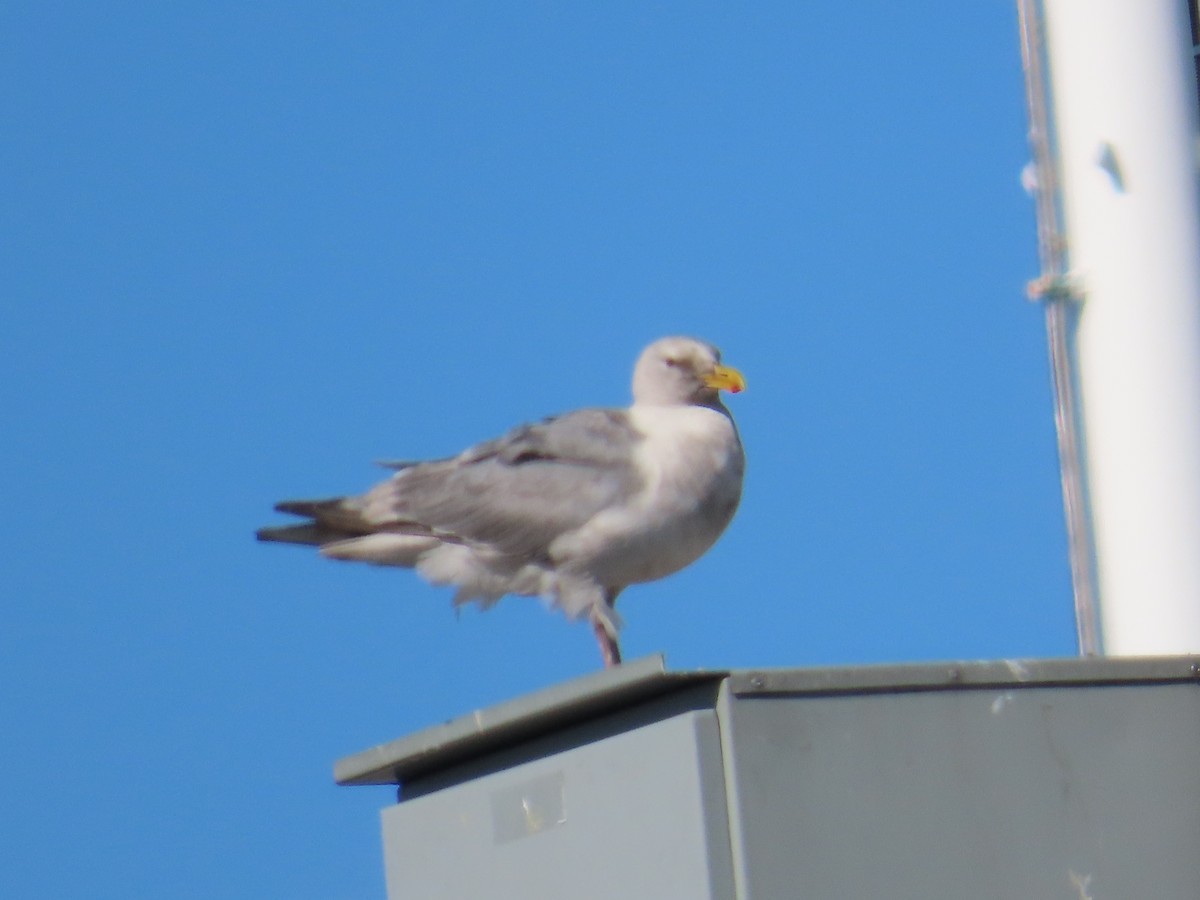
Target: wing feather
(519,492)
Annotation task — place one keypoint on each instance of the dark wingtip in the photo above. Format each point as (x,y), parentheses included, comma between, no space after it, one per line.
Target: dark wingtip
(306,508)
(309,533)
(397,465)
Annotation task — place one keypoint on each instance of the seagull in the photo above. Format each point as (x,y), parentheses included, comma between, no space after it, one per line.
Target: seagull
(573,508)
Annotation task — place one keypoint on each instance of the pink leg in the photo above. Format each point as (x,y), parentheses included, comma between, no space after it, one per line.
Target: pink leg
(610,650)
(605,631)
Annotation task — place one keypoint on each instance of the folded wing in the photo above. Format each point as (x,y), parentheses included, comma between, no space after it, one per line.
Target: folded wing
(511,496)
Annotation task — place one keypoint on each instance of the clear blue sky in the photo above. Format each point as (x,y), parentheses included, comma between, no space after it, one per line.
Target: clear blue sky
(248,248)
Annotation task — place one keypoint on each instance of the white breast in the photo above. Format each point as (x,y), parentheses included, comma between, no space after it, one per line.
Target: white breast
(691,463)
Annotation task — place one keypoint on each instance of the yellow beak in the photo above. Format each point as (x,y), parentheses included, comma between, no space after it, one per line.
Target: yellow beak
(726,378)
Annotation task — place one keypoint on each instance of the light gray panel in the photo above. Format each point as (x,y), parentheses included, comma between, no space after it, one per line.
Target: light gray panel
(486,731)
(1003,794)
(640,814)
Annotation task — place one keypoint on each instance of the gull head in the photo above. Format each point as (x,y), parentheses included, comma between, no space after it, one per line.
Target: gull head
(677,371)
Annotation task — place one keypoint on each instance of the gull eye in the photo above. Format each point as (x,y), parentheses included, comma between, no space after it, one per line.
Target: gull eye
(673,362)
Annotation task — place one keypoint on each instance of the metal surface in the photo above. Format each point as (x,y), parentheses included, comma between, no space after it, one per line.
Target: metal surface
(1005,673)
(1072,778)
(525,718)
(639,814)
(1069,791)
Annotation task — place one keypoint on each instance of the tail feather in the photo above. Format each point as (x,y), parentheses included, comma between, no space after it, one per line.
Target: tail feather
(310,509)
(310,533)
(340,515)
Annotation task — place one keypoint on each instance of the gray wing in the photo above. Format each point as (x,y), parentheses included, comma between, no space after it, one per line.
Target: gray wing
(516,493)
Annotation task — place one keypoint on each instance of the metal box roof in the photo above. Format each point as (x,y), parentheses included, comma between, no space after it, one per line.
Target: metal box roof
(1009,779)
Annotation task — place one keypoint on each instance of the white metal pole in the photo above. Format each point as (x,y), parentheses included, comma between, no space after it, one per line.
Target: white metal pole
(1125,123)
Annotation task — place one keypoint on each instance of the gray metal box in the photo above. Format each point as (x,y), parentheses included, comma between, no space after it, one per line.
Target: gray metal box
(1015,780)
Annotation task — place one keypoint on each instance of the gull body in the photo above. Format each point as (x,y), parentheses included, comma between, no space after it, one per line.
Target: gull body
(573,508)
